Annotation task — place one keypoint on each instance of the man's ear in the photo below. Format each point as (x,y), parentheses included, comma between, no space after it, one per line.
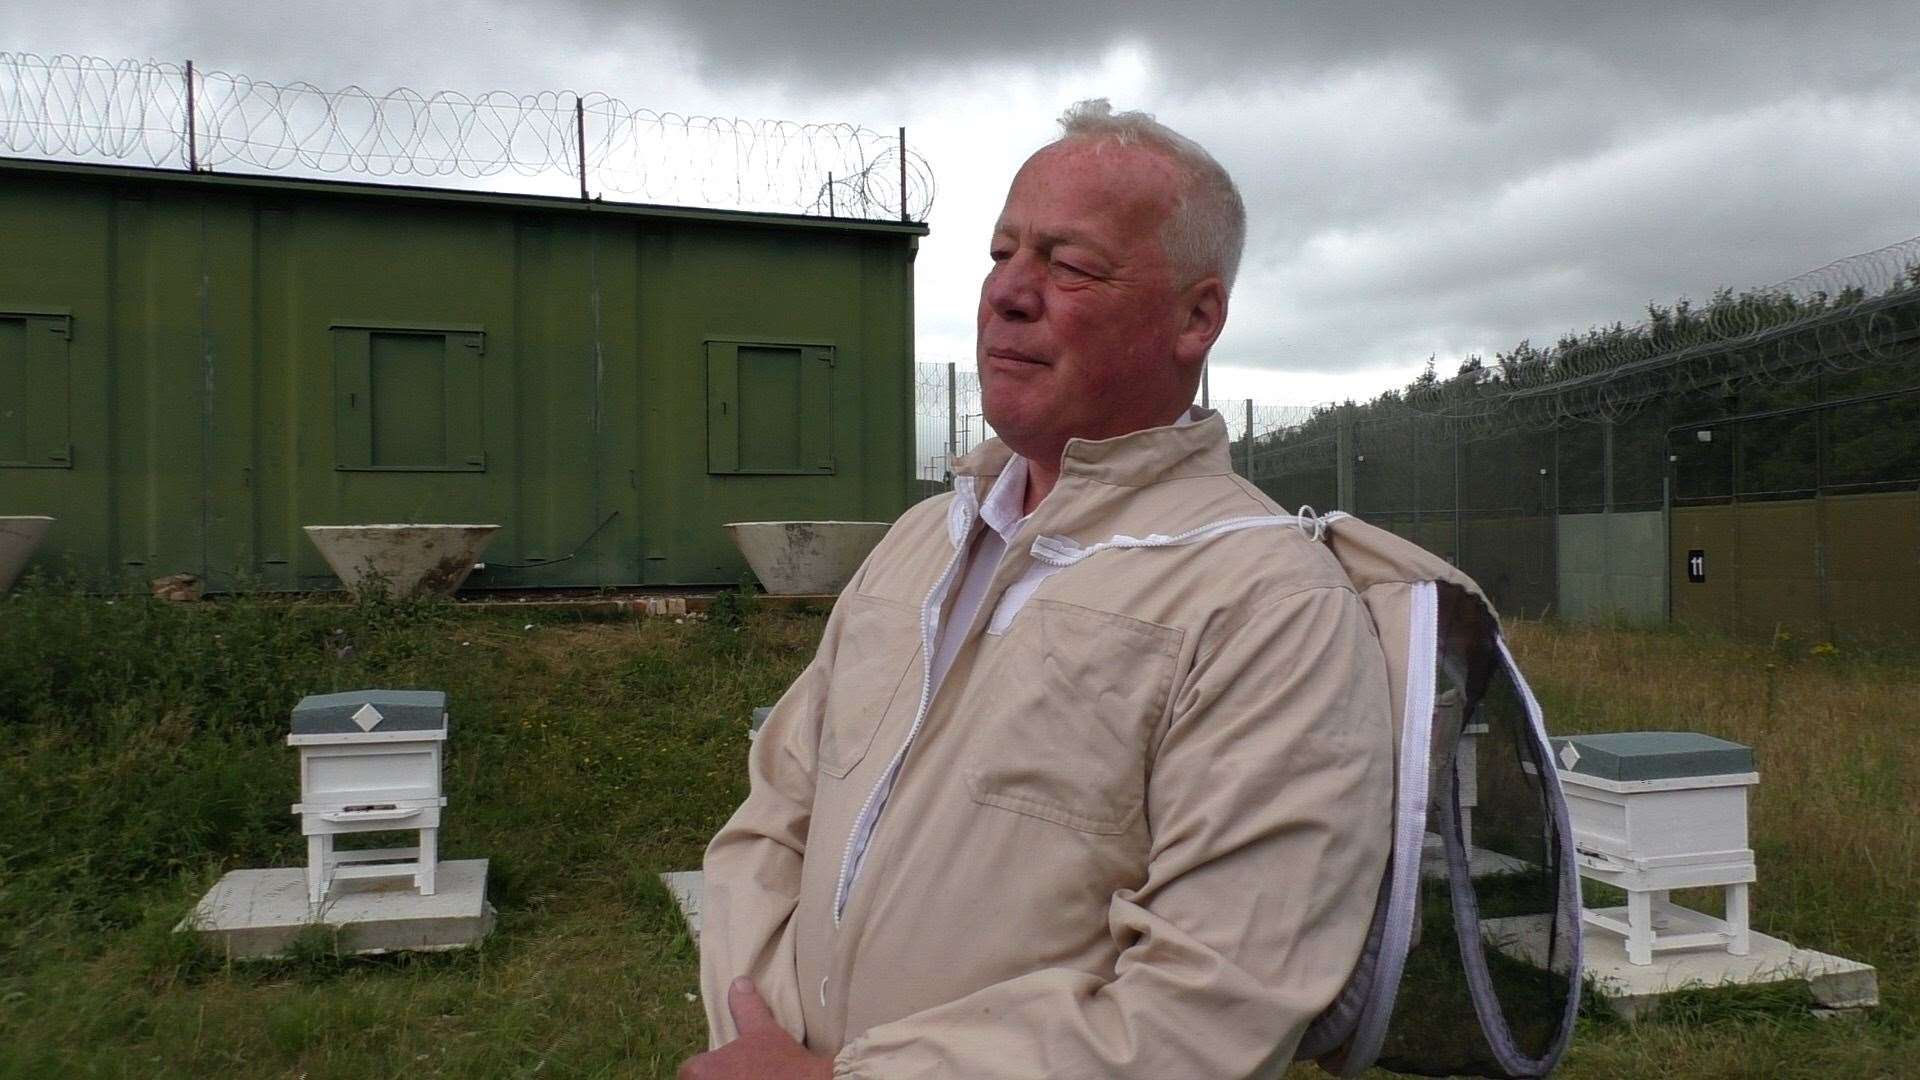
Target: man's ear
(1203,307)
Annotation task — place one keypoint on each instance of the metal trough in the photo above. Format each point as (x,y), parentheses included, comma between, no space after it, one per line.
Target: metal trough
(404,559)
(805,558)
(19,537)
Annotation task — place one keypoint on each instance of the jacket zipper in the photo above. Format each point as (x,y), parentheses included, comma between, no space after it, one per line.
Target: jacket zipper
(1057,551)
(865,821)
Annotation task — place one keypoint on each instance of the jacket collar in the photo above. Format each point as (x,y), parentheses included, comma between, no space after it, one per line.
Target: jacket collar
(1136,459)
(1195,446)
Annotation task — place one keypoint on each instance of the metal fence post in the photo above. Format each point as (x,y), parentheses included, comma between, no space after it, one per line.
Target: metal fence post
(1343,493)
(953,418)
(1608,584)
(1249,455)
(580,142)
(193,148)
(903,176)
(1458,540)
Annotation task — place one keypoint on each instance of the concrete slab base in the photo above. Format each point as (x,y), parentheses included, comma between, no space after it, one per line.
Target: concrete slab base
(1841,986)
(688,888)
(258,913)
(1634,989)
(1483,863)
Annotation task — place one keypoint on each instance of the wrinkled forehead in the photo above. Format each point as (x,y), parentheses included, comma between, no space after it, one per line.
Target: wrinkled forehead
(1126,184)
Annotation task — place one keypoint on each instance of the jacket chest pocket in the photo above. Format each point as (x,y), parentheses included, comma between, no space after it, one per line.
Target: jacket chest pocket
(879,644)
(1068,715)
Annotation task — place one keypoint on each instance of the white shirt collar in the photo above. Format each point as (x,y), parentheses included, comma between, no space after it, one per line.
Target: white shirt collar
(1001,509)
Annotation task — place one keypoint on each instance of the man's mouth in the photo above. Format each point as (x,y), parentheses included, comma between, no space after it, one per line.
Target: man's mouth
(1015,356)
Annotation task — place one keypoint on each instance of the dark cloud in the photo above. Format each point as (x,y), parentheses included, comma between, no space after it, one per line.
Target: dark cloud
(1488,54)
(1422,177)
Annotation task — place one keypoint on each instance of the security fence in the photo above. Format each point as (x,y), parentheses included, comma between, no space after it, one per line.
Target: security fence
(948,422)
(1756,471)
(1751,466)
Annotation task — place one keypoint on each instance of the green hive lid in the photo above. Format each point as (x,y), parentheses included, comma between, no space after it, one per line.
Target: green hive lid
(1650,755)
(361,712)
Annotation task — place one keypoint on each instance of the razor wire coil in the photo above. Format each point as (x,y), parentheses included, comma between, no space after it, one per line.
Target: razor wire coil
(88,108)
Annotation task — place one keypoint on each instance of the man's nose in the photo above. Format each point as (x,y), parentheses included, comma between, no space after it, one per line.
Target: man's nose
(1013,288)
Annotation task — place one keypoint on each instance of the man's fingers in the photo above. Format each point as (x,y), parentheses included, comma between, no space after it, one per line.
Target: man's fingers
(750,1011)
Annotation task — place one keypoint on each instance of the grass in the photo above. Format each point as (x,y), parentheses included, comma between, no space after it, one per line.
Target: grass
(141,756)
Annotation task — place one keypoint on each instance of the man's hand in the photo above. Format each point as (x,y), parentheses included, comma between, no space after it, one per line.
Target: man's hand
(764,1050)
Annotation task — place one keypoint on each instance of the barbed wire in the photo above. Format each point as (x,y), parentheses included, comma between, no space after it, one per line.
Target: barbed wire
(1851,314)
(88,108)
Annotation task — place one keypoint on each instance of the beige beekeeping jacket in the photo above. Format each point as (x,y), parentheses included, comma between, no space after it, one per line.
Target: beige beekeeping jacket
(1136,831)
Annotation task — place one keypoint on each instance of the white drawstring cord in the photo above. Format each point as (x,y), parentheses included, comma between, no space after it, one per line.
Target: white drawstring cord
(1311,525)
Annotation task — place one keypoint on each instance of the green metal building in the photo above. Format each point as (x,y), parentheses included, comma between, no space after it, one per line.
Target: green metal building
(194,366)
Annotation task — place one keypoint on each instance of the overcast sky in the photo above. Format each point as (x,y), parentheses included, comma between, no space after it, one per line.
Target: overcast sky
(1423,178)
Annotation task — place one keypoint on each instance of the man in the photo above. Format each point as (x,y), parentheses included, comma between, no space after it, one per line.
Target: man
(1085,780)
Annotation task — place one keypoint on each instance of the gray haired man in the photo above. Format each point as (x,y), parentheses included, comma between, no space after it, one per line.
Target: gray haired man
(1082,782)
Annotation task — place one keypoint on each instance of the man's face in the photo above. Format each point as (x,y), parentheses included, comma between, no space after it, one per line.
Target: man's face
(1083,330)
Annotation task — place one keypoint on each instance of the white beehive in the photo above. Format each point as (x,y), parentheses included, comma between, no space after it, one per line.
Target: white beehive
(370,762)
(1654,811)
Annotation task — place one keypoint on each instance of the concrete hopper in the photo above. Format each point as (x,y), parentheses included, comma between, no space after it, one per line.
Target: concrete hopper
(404,559)
(19,536)
(805,558)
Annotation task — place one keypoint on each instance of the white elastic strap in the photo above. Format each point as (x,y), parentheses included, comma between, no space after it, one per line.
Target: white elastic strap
(1017,595)
(1409,823)
(1061,551)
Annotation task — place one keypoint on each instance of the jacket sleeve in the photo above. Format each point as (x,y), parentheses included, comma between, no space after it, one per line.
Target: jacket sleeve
(752,867)
(1270,806)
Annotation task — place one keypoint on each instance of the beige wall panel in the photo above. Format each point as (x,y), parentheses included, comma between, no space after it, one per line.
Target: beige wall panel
(1873,566)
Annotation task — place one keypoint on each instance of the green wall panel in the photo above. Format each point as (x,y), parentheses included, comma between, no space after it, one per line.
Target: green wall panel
(206,414)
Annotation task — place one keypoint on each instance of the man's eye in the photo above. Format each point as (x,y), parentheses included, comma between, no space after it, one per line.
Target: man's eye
(1068,268)
(1000,254)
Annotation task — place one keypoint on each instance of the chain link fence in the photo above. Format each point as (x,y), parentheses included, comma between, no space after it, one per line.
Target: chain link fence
(1768,498)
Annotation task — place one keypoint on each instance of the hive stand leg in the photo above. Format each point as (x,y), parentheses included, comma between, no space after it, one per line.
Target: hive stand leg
(1662,907)
(319,853)
(429,856)
(1739,937)
(1639,928)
